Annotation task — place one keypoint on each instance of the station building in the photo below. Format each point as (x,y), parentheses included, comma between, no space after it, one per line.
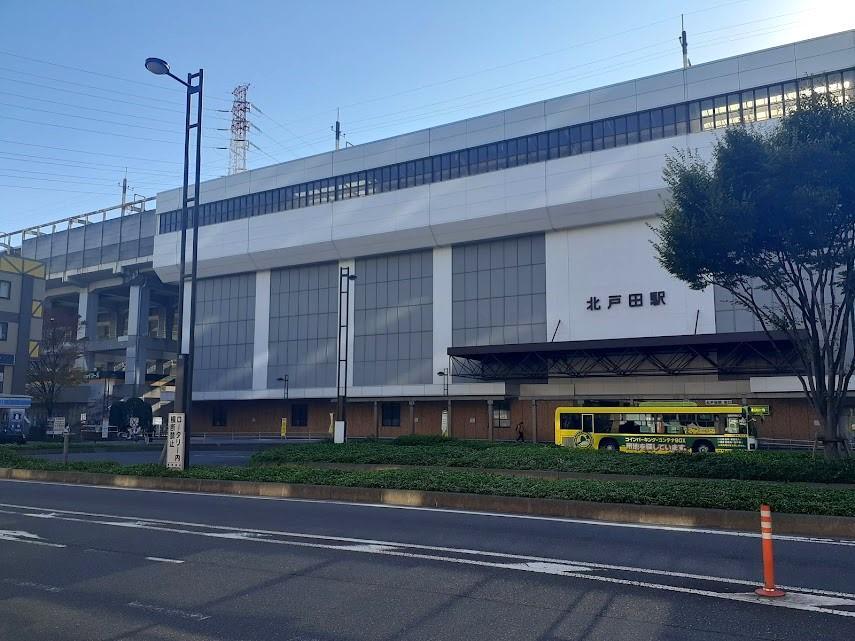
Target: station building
(503,266)
(511,250)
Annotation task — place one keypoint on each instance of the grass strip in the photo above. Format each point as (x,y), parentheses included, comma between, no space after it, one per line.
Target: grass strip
(723,494)
(756,466)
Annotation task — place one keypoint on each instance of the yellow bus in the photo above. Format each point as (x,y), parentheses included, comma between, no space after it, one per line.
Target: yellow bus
(656,428)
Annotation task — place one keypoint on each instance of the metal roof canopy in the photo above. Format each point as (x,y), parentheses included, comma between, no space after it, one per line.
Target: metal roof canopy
(738,354)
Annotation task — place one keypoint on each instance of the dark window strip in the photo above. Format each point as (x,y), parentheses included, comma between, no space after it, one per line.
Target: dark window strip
(708,114)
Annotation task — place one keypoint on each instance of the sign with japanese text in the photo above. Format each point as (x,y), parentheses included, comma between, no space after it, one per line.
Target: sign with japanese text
(283,428)
(595,303)
(175,442)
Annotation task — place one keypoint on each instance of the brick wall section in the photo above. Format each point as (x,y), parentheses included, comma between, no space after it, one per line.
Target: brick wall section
(789,419)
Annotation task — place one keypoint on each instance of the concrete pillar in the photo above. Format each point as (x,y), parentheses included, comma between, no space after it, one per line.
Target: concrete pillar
(441,310)
(261,340)
(87,310)
(490,418)
(534,420)
(136,352)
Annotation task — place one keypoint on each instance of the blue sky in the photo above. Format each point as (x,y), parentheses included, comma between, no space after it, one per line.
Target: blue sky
(79,106)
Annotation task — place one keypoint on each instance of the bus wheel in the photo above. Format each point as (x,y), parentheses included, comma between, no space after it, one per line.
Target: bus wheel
(609,444)
(704,447)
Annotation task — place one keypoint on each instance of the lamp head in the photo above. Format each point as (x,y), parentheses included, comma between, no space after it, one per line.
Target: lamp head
(157,66)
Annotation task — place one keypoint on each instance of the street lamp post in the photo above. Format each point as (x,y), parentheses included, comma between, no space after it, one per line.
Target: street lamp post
(184,388)
(445,374)
(345,278)
(284,380)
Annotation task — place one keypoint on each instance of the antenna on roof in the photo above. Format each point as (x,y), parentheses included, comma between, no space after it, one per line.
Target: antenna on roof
(684,44)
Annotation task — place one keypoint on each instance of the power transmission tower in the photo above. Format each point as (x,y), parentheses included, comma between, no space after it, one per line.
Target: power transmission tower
(239,143)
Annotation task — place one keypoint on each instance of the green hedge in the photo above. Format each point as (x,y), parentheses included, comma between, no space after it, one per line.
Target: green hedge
(724,494)
(763,466)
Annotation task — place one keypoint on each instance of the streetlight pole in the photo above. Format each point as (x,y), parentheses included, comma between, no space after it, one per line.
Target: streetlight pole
(344,280)
(284,379)
(184,379)
(445,374)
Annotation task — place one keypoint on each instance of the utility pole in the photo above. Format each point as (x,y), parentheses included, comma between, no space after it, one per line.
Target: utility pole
(684,44)
(337,130)
(124,191)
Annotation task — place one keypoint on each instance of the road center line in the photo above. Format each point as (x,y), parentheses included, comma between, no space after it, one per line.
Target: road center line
(163,560)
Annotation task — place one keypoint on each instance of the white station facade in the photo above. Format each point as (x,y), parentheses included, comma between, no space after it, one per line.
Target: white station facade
(512,250)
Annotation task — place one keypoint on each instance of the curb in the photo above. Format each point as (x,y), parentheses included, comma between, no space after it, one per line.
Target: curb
(788,524)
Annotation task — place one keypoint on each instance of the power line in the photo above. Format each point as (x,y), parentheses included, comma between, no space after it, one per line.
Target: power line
(102,75)
(70,191)
(76,106)
(93,153)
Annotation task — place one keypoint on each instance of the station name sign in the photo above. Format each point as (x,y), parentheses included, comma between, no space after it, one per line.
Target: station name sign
(654,299)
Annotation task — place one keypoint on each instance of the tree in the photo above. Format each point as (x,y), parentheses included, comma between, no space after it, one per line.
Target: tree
(138,408)
(55,368)
(119,414)
(771,220)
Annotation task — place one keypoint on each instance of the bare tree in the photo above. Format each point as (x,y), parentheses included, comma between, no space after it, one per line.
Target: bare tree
(772,221)
(56,366)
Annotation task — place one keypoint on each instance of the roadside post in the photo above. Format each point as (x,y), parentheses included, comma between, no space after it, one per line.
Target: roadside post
(283,428)
(768,589)
(175,442)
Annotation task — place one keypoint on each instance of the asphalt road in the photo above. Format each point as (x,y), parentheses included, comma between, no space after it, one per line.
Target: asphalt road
(91,564)
(200,457)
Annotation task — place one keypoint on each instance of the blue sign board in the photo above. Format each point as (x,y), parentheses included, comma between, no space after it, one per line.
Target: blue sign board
(7,359)
(15,401)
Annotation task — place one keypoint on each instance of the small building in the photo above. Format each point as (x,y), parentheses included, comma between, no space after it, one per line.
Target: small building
(22,291)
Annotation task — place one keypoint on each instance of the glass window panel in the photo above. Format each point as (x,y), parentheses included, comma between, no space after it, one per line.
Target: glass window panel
(553,144)
(542,146)
(597,135)
(669,122)
(620,131)
(734,105)
(502,153)
(361,179)
(586,134)
(420,172)
(791,96)
(835,86)
(522,151)
(564,142)
(848,86)
(386,179)
(491,157)
(454,165)
(720,112)
(644,126)
(482,159)
(776,101)
(608,134)
(655,124)
(437,168)
(411,174)
(707,115)
(575,140)
(632,129)
(393,177)
(748,105)
(761,104)
(681,119)
(532,148)
(446,166)
(512,153)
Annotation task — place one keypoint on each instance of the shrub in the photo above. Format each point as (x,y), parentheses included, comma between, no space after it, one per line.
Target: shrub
(768,466)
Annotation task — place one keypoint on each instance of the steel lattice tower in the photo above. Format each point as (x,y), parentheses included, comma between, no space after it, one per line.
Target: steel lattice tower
(239,143)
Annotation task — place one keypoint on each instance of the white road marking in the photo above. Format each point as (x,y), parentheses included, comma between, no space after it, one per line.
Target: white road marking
(19,536)
(230,532)
(799,599)
(197,616)
(556,519)
(34,586)
(163,560)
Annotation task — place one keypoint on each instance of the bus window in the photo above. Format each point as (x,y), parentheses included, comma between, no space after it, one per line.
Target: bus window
(672,424)
(587,422)
(569,421)
(629,426)
(602,423)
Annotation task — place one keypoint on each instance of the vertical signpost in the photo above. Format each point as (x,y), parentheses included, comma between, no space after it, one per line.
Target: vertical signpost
(283,428)
(175,442)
